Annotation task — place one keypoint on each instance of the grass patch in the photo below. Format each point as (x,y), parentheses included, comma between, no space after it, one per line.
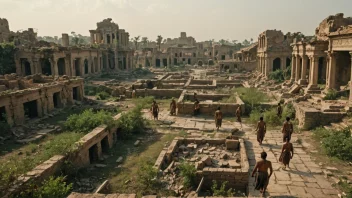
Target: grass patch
(143,102)
(131,123)
(88,120)
(13,165)
(270,116)
(335,143)
(252,97)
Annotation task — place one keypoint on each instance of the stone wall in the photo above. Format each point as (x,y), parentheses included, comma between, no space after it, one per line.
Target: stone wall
(309,118)
(43,95)
(237,178)
(159,93)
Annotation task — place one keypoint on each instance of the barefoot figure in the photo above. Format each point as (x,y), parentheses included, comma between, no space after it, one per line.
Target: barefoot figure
(155,110)
(173,107)
(286,153)
(218,118)
(287,130)
(262,176)
(238,115)
(196,107)
(279,110)
(261,130)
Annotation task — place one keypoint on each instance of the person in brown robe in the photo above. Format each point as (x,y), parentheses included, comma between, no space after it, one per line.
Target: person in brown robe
(155,110)
(262,175)
(286,153)
(287,130)
(279,110)
(218,118)
(261,130)
(196,107)
(238,115)
(173,107)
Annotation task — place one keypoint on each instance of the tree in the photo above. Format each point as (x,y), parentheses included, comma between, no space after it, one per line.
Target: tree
(245,43)
(144,41)
(251,40)
(77,39)
(135,40)
(222,41)
(7,58)
(234,42)
(159,40)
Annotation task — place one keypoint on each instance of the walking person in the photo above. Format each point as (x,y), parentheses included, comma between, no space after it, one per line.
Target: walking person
(196,107)
(238,115)
(218,119)
(279,110)
(287,130)
(286,154)
(173,107)
(155,110)
(262,176)
(261,130)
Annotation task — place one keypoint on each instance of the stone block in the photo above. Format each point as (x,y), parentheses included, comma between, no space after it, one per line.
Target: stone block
(232,144)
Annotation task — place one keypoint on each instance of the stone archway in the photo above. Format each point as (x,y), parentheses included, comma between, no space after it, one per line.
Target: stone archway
(46,66)
(322,70)
(27,68)
(61,66)
(86,66)
(276,64)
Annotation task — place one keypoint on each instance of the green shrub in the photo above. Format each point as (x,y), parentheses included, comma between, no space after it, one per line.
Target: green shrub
(270,116)
(147,178)
(288,111)
(221,191)
(53,187)
(331,95)
(103,95)
(231,99)
(339,144)
(90,90)
(131,122)
(88,120)
(7,58)
(188,172)
(252,97)
(254,116)
(143,102)
(277,76)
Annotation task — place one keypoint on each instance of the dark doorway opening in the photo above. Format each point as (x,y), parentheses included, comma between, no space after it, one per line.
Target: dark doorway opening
(78,67)
(147,63)
(96,64)
(180,54)
(105,62)
(276,64)
(288,62)
(124,63)
(61,66)
(27,68)
(222,57)
(86,69)
(343,68)
(165,62)
(175,61)
(2,114)
(30,109)
(57,100)
(189,61)
(108,39)
(176,54)
(105,145)
(194,55)
(75,93)
(46,66)
(321,71)
(93,154)
(307,70)
(157,62)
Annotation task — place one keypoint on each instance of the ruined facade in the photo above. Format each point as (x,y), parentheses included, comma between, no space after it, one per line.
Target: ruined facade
(4,30)
(274,51)
(244,59)
(110,35)
(36,96)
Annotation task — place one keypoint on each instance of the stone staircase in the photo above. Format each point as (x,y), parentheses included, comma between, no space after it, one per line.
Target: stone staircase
(346,122)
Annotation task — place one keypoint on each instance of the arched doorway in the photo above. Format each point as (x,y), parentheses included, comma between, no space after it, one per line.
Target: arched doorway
(276,64)
(288,62)
(92,67)
(46,66)
(27,68)
(157,62)
(108,39)
(61,66)
(322,71)
(78,67)
(86,66)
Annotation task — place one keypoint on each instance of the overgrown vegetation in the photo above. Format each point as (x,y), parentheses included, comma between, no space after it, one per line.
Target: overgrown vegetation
(143,102)
(103,95)
(280,75)
(33,154)
(147,178)
(141,71)
(231,99)
(188,172)
(270,116)
(220,191)
(7,58)
(131,123)
(88,120)
(53,187)
(252,97)
(336,143)
(331,95)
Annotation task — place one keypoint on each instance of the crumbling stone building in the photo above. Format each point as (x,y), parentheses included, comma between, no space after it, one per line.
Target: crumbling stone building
(35,96)
(274,51)
(109,34)
(244,59)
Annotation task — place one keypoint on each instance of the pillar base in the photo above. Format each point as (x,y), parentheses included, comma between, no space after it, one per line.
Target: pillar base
(313,89)
(303,82)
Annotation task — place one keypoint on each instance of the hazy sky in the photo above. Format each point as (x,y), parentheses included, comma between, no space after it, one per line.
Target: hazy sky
(202,19)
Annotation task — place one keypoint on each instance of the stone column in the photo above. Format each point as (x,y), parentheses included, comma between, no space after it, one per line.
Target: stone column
(293,68)
(56,68)
(92,40)
(298,68)
(330,82)
(313,73)
(303,79)
(18,67)
(350,98)
(267,65)
(282,63)
(117,66)
(259,64)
